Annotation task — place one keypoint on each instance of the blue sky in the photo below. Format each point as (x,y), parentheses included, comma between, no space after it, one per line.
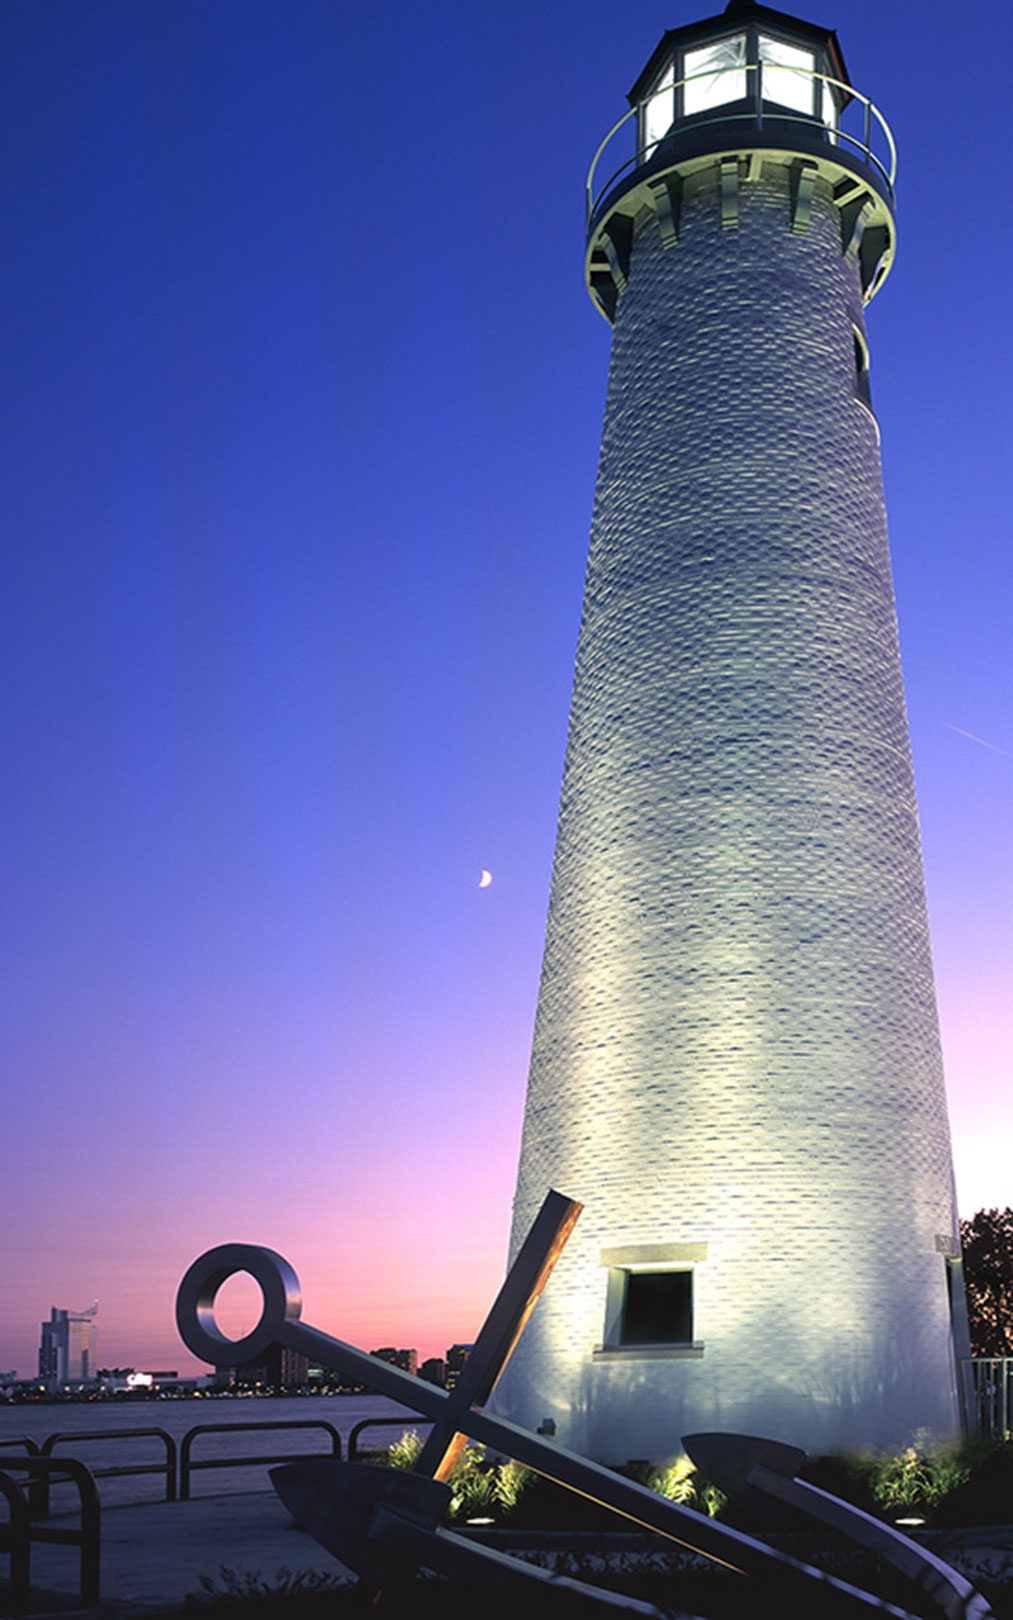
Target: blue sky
(299,407)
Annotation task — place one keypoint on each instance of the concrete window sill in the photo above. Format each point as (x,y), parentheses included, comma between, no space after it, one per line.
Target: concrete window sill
(648,1352)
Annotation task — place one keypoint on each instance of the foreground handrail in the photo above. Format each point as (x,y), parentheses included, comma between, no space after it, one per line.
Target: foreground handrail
(111,1471)
(87,1536)
(187,1466)
(38,1497)
(15,1540)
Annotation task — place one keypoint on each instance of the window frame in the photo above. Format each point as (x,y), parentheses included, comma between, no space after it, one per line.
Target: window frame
(647,1259)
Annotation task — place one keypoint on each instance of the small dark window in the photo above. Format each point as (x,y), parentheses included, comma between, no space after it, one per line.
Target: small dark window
(862,389)
(658,1308)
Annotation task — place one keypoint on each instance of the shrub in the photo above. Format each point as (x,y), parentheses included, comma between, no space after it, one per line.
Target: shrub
(512,1480)
(681,1482)
(473,1483)
(918,1478)
(480,1489)
(947,1484)
(404,1451)
(985,1494)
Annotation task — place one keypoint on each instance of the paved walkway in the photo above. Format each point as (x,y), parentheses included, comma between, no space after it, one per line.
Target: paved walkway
(154,1555)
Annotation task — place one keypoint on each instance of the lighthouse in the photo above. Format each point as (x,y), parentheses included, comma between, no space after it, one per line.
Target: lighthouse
(736,1064)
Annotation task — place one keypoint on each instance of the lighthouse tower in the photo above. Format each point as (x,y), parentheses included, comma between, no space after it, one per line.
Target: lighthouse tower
(736,1063)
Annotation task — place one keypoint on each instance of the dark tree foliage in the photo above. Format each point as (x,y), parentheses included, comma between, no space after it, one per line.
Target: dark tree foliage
(987,1240)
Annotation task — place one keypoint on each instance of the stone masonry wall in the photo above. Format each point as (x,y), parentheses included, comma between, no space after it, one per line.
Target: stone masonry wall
(736,1040)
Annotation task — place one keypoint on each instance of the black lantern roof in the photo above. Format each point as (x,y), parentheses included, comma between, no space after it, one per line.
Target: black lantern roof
(736,13)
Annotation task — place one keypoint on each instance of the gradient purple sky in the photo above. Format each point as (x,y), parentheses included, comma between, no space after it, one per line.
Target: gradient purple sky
(300,401)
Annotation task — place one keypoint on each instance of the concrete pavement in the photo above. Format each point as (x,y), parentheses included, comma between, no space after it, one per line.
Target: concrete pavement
(154,1555)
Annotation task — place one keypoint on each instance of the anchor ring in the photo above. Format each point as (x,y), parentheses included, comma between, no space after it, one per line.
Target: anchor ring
(195,1302)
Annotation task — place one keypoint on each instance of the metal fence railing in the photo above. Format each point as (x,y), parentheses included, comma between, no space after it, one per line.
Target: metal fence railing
(187,1465)
(988,1386)
(22,1530)
(166,1467)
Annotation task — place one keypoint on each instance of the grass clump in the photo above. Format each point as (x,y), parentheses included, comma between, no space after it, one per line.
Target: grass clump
(946,1485)
(483,1488)
(916,1480)
(683,1483)
(248,1587)
(404,1451)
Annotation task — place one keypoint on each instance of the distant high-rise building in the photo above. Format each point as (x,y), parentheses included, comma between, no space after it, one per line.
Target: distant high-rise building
(434,1371)
(280,1368)
(457,1356)
(407,1360)
(736,1063)
(68,1353)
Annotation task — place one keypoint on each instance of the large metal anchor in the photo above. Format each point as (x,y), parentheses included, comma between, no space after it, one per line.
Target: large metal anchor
(384,1524)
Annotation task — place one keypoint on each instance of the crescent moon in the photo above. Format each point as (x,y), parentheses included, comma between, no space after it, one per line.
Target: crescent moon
(485,880)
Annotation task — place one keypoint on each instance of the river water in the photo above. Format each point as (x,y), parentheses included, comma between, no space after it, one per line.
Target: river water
(79,1421)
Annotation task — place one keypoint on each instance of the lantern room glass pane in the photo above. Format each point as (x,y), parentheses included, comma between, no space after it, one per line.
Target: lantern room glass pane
(780,83)
(721,67)
(828,106)
(659,112)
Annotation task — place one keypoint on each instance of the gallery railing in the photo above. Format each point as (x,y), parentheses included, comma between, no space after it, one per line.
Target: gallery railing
(872,143)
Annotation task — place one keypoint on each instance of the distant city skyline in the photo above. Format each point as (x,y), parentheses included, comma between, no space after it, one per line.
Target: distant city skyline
(301,409)
(68,1358)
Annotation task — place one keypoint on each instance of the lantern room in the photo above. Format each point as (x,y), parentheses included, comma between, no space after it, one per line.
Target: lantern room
(721,103)
(750,62)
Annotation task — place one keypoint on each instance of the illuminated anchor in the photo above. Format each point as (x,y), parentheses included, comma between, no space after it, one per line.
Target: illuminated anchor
(385,1524)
